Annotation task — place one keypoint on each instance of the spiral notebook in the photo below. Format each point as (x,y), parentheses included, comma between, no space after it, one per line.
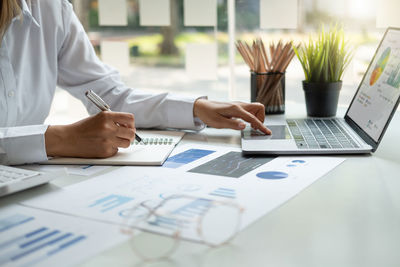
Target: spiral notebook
(158,145)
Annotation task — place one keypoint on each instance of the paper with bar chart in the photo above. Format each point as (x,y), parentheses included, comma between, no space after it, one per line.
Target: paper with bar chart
(207,174)
(82,170)
(31,237)
(380,89)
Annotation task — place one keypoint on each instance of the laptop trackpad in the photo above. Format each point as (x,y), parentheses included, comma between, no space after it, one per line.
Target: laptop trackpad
(279,132)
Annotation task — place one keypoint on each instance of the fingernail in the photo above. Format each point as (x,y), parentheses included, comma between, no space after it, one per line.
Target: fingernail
(242,125)
(266,130)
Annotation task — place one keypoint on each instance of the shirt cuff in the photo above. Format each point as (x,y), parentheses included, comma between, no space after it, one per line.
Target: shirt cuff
(23,144)
(182,108)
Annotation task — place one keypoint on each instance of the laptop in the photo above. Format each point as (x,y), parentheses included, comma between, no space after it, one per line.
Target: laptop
(362,128)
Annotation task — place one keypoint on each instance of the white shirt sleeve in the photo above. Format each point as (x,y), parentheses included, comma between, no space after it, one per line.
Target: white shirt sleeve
(24,144)
(79,69)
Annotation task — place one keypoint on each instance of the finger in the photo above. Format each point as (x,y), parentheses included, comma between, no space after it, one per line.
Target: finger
(122,142)
(224,122)
(122,118)
(255,122)
(126,133)
(259,111)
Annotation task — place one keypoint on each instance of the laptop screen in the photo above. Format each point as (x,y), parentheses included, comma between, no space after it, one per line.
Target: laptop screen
(379,91)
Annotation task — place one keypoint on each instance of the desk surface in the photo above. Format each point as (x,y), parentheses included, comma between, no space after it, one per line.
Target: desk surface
(350,217)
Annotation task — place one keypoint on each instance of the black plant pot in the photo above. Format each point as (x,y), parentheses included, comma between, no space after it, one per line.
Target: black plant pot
(321,98)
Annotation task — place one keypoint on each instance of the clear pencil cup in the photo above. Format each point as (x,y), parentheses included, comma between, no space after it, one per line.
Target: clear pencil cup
(269,89)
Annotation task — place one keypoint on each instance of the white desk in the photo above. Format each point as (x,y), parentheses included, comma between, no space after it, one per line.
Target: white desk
(350,217)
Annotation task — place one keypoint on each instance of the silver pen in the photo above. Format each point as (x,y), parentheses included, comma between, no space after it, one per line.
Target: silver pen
(92,96)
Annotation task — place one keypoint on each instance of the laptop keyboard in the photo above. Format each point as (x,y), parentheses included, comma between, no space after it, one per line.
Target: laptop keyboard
(320,134)
(10,174)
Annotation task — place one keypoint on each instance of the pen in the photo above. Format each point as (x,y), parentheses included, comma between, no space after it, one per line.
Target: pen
(92,96)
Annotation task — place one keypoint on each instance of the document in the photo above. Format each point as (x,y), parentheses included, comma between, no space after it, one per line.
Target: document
(155,12)
(116,54)
(155,150)
(278,14)
(113,13)
(205,172)
(198,68)
(387,14)
(200,13)
(32,237)
(82,170)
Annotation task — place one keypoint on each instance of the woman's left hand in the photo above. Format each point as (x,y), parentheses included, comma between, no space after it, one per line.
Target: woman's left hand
(228,115)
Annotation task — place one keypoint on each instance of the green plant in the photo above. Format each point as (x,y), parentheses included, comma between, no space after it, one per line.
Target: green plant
(325,58)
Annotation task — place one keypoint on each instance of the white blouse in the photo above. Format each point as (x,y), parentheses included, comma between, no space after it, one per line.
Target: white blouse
(47,46)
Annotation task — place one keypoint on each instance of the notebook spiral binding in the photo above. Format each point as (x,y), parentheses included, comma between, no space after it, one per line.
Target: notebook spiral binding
(154,141)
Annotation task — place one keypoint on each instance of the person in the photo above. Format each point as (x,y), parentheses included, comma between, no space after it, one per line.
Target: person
(43,45)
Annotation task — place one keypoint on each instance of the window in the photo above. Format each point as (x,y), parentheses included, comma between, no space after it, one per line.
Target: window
(186,58)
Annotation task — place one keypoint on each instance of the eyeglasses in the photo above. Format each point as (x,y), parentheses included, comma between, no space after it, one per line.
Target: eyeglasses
(156,227)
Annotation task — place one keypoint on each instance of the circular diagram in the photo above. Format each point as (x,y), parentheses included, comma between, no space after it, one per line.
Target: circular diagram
(273,175)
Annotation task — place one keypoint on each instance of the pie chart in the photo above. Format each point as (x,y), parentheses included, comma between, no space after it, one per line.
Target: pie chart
(380,66)
(298,161)
(272,175)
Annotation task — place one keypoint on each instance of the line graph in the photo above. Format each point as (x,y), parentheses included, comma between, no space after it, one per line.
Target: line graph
(231,164)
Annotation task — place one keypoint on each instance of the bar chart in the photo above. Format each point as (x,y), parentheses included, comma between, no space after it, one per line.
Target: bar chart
(186,157)
(194,208)
(33,237)
(110,202)
(35,245)
(224,192)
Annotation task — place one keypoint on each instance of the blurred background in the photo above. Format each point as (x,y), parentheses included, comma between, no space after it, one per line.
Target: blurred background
(187,46)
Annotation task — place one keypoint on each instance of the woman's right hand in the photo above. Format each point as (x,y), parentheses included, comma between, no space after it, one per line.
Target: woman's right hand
(97,136)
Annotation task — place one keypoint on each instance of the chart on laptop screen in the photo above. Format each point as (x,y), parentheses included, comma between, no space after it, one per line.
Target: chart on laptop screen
(380,88)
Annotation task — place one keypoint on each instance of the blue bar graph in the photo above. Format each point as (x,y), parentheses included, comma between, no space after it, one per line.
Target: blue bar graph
(298,161)
(20,238)
(110,202)
(224,192)
(56,250)
(53,240)
(13,221)
(182,216)
(33,246)
(164,222)
(195,208)
(40,238)
(186,157)
(67,244)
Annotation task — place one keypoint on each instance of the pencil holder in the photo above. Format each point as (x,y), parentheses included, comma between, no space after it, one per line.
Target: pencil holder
(269,89)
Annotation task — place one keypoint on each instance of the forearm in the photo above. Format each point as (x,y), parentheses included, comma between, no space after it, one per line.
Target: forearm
(163,110)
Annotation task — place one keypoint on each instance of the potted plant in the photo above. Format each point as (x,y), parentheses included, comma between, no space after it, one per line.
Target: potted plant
(324,60)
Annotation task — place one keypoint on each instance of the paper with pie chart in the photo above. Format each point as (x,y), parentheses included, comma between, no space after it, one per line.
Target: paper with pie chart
(258,185)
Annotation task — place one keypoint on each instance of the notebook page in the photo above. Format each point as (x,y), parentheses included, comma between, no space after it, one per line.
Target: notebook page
(158,145)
